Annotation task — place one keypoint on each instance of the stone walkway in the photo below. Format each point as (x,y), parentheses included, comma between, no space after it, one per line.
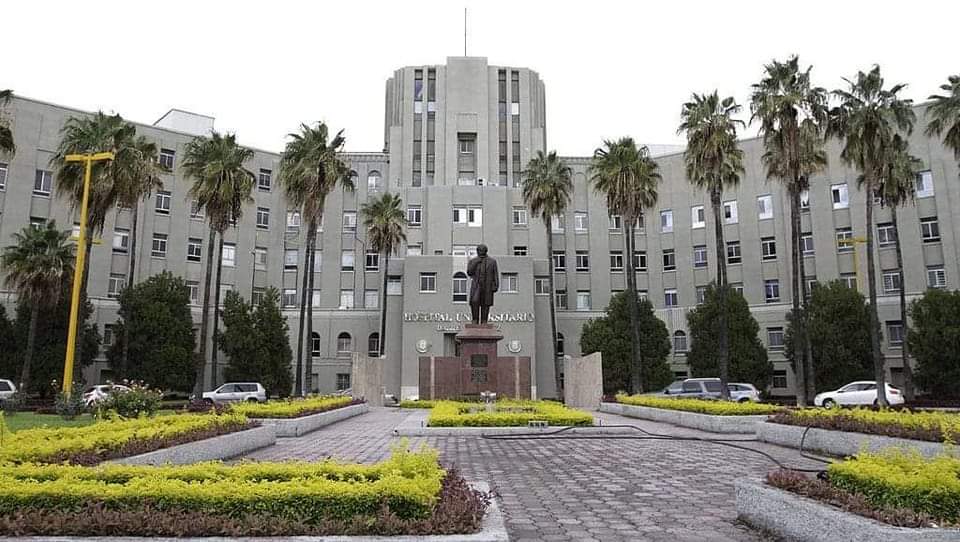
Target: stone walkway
(563,489)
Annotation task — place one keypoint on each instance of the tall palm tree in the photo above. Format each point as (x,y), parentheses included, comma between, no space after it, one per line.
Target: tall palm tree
(385,221)
(628,176)
(6,133)
(221,185)
(714,161)
(867,120)
(945,115)
(792,112)
(547,185)
(309,170)
(36,267)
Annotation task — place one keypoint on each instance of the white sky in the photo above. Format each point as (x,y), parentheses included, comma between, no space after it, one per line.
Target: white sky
(610,68)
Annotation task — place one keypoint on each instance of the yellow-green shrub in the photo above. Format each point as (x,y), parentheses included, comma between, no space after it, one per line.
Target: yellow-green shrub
(702,406)
(292,408)
(922,425)
(418,403)
(507,413)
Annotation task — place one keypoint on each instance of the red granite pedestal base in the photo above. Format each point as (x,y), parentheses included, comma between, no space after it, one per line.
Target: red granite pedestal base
(477,369)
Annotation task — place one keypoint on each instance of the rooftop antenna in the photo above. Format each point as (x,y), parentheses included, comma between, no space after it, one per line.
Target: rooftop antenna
(464,30)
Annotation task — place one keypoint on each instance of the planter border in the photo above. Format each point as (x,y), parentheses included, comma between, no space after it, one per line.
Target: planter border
(799,518)
(211,449)
(841,443)
(694,420)
(295,427)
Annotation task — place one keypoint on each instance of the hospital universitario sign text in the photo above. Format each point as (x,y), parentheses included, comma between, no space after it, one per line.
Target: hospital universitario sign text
(442,317)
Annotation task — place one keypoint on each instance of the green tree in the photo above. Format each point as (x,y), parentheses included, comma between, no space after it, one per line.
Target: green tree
(610,336)
(309,170)
(628,176)
(866,121)
(36,268)
(792,114)
(714,162)
(7,145)
(385,221)
(547,185)
(257,341)
(935,340)
(944,115)
(155,317)
(748,357)
(12,358)
(221,185)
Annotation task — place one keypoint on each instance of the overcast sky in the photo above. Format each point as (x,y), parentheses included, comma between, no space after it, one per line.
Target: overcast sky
(610,68)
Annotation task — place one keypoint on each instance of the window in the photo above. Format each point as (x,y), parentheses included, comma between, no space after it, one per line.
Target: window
(670,298)
(768,248)
(701,295)
(583,300)
(775,338)
(460,287)
(289,297)
(733,252)
(541,286)
(344,344)
(561,344)
(263,218)
(350,221)
(166,158)
(811,282)
(765,207)
(557,224)
(580,222)
(107,336)
(771,290)
(428,282)
(886,235)
(194,288)
(194,249)
(264,180)
(224,290)
(679,342)
(290,257)
(121,240)
(520,250)
(640,261)
(560,299)
(559,260)
(260,258)
(371,298)
(372,261)
(346,299)
(936,277)
(924,184)
(116,284)
(471,216)
(414,215)
(730,212)
(75,232)
(373,181)
(158,249)
(229,254)
(373,348)
(315,297)
(616,223)
(466,158)
(509,283)
(737,287)
(849,280)
(698,217)
(43,182)
(891,282)
(669,260)
(805,201)
(163,202)
(315,345)
(806,243)
(583,260)
(616,261)
(343,379)
(840,197)
(394,286)
(666,221)
(930,230)
(894,333)
(3,175)
(346,260)
(519,216)
(415,249)
(700,256)
(780,379)
(293,221)
(844,240)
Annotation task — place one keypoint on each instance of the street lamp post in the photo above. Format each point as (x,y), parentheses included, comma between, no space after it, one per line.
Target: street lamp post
(88,160)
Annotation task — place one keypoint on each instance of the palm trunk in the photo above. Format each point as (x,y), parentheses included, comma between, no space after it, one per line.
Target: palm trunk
(723,347)
(135,215)
(311,254)
(636,368)
(216,317)
(796,255)
(300,328)
(557,362)
(878,365)
(908,391)
(31,339)
(198,383)
(383,303)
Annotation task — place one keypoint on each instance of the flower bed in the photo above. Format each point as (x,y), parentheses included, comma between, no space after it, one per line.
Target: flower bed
(418,403)
(921,425)
(294,408)
(111,439)
(506,413)
(701,406)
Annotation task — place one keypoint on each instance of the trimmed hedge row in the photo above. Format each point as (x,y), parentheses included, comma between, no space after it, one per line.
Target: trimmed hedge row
(293,408)
(418,403)
(702,406)
(507,413)
(918,425)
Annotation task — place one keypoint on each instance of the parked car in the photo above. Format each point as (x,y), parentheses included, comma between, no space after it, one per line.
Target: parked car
(97,393)
(703,388)
(7,389)
(741,392)
(674,388)
(862,392)
(253,392)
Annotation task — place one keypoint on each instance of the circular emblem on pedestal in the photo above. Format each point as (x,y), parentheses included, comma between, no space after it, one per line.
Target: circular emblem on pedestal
(422,346)
(514,346)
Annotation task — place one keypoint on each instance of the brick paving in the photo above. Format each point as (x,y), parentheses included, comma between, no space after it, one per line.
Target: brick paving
(576,490)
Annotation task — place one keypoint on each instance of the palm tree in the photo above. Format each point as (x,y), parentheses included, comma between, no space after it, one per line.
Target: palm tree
(547,185)
(309,170)
(628,176)
(36,267)
(221,185)
(866,120)
(714,161)
(791,113)
(945,113)
(385,221)
(6,134)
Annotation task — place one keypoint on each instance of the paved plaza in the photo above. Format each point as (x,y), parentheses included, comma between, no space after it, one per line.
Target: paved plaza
(596,489)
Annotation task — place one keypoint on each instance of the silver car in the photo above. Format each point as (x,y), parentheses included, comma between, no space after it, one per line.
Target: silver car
(237,391)
(7,389)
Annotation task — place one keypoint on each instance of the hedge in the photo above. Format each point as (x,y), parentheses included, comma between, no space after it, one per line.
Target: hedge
(506,413)
(918,425)
(293,408)
(417,403)
(702,406)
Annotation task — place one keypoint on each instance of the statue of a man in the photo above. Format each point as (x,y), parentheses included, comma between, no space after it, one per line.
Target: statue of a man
(486,281)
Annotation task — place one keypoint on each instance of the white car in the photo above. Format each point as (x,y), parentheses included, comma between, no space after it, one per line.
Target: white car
(100,392)
(6,389)
(237,391)
(862,392)
(742,393)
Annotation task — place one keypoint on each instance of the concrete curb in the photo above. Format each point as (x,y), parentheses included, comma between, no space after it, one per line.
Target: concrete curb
(692,420)
(840,443)
(793,517)
(216,448)
(493,529)
(294,427)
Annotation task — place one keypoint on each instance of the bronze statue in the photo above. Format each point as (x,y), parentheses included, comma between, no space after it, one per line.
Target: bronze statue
(486,281)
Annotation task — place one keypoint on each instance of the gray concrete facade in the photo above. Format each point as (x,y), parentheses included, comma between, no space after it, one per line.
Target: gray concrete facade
(456,137)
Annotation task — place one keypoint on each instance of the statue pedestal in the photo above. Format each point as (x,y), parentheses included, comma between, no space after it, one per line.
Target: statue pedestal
(476,369)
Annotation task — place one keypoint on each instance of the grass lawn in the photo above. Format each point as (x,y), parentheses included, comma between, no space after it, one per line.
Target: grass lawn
(30,420)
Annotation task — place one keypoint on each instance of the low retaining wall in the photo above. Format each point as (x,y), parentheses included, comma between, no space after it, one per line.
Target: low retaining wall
(211,449)
(294,427)
(693,420)
(840,443)
(793,517)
